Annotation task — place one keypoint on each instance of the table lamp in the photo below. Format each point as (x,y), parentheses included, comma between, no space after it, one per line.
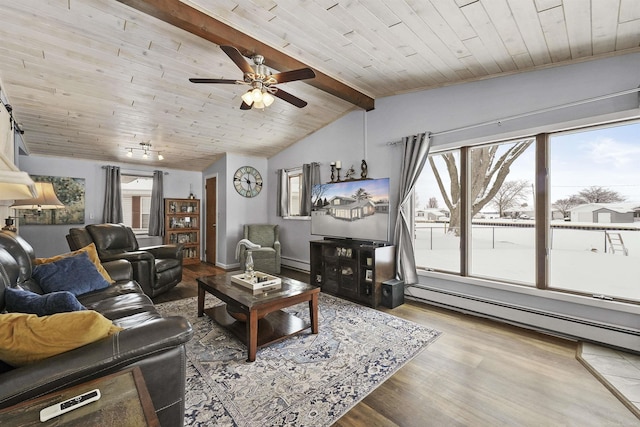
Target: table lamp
(46,199)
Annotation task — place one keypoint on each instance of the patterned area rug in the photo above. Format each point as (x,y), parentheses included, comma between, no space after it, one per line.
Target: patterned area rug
(305,380)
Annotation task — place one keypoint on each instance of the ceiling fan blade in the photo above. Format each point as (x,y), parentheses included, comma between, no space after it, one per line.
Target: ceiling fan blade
(245,106)
(289,76)
(237,57)
(285,96)
(223,81)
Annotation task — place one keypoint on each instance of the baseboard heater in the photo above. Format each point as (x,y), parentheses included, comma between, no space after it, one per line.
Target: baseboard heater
(552,323)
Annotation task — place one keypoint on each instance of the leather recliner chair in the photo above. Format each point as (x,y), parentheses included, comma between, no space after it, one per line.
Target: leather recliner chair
(156,268)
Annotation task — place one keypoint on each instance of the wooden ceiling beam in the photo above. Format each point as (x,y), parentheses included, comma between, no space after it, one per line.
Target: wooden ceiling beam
(200,24)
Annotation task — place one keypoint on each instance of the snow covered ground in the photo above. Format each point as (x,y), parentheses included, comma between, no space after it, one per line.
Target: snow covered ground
(578,260)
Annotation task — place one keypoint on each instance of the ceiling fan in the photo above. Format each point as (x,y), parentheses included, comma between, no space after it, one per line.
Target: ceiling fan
(261,80)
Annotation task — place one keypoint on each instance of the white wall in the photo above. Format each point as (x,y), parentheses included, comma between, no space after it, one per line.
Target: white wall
(49,240)
(345,140)
(361,135)
(451,114)
(234,210)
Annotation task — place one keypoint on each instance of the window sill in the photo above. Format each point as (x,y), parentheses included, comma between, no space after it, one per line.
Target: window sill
(298,218)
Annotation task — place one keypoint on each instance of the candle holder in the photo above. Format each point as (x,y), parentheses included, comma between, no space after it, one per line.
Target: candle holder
(333,171)
(338,169)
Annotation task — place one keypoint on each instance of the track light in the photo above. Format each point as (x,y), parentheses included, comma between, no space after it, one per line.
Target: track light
(145,147)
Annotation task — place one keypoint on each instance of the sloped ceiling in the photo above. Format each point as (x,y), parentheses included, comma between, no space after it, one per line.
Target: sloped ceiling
(90,79)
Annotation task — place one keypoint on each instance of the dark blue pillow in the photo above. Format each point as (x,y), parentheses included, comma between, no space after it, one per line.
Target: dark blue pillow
(76,274)
(21,301)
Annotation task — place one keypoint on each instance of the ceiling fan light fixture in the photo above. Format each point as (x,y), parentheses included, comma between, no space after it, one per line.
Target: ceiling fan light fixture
(256,94)
(258,104)
(247,98)
(267,99)
(160,156)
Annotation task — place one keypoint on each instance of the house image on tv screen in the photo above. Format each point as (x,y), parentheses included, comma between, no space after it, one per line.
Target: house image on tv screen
(352,209)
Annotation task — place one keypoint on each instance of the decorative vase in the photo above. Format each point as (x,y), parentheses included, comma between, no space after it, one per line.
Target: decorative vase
(248,267)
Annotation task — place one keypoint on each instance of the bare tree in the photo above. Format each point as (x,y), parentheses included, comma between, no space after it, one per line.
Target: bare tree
(565,205)
(510,195)
(597,194)
(361,194)
(317,192)
(488,175)
(432,203)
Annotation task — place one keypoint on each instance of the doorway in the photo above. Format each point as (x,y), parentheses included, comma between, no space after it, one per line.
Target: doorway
(211,189)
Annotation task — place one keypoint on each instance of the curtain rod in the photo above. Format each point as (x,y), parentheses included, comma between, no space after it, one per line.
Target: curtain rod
(296,167)
(138,171)
(531,113)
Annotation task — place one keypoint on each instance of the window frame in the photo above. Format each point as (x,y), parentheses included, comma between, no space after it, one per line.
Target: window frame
(542,213)
(131,193)
(288,175)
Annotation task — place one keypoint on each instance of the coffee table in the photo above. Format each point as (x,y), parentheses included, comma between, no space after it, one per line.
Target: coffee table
(265,321)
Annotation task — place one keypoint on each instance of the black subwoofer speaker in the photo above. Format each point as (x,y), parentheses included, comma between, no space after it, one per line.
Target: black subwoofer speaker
(392,293)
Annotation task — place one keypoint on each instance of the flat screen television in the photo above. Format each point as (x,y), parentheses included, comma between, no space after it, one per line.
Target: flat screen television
(351,209)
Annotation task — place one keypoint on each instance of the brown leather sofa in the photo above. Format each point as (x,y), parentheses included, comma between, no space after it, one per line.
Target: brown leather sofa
(156,268)
(154,343)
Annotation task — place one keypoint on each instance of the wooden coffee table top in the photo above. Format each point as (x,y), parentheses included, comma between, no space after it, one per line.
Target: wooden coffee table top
(223,286)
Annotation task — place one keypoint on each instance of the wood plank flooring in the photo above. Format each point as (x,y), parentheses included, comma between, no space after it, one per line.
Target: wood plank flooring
(478,373)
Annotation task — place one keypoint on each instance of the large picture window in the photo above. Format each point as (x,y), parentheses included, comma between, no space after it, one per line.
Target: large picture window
(594,192)
(579,232)
(502,244)
(136,201)
(437,215)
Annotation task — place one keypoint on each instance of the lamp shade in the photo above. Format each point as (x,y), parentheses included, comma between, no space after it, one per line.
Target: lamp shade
(14,184)
(46,199)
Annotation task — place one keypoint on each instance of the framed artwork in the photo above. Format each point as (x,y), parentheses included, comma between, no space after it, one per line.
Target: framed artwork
(368,275)
(70,191)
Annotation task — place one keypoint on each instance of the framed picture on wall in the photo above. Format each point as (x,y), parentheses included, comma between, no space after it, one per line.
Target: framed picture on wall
(70,191)
(368,275)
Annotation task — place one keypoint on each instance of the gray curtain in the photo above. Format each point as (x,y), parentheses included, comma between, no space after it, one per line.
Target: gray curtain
(156,208)
(282,208)
(112,211)
(416,150)
(310,177)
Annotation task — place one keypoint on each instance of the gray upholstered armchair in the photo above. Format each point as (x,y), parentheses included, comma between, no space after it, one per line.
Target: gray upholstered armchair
(267,258)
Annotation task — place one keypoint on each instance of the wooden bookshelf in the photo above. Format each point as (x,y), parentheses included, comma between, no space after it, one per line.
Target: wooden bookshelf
(182,225)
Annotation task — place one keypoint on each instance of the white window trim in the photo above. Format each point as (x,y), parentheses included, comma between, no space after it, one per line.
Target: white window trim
(288,173)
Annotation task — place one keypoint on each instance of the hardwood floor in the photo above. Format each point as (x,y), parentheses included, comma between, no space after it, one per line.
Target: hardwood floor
(478,373)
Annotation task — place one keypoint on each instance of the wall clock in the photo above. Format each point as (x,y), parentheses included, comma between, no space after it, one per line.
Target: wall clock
(247,181)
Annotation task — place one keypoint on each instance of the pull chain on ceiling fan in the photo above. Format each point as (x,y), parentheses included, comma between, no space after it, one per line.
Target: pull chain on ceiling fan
(261,80)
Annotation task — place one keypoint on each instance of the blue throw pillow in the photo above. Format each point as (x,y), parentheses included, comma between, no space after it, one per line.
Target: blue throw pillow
(21,301)
(76,274)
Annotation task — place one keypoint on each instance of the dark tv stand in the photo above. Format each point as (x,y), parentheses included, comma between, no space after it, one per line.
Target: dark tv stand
(352,269)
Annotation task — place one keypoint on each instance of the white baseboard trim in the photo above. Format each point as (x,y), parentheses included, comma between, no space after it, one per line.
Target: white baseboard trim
(296,264)
(578,327)
(234,266)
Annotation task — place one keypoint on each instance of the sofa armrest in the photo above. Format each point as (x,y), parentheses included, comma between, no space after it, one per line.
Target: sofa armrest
(94,360)
(132,256)
(119,270)
(165,251)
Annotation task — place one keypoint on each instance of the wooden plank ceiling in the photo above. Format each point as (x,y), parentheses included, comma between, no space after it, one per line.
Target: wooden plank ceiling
(92,78)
